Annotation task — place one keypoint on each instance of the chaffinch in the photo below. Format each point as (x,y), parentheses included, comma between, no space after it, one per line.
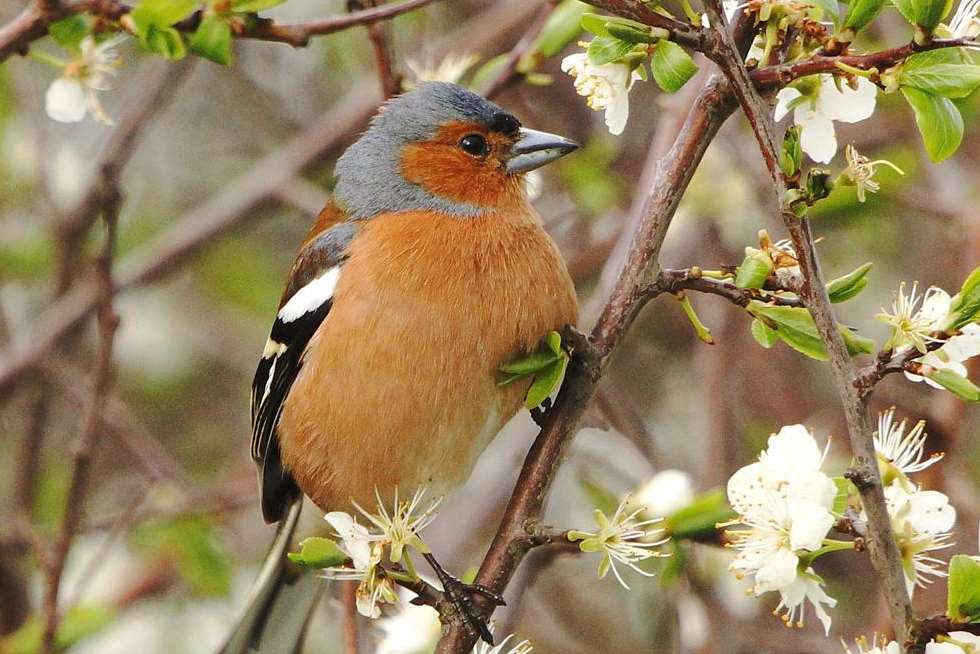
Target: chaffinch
(426,272)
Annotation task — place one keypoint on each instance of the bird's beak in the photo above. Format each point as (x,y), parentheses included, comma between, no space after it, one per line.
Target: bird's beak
(534,149)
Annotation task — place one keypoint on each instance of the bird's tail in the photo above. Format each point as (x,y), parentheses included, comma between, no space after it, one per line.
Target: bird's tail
(281,602)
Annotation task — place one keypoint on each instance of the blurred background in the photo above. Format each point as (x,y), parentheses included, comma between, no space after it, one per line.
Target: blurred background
(227,167)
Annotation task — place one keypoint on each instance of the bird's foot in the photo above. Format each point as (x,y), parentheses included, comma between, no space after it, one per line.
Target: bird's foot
(460,596)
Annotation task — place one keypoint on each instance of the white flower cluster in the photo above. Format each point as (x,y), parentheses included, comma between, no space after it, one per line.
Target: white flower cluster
(784,504)
(816,102)
(956,642)
(606,86)
(392,533)
(75,93)
(915,319)
(921,518)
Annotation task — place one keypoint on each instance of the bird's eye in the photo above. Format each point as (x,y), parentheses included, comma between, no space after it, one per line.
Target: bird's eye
(474,144)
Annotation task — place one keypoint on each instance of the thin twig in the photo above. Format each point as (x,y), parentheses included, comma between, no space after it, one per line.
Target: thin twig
(882,547)
(509,73)
(32,23)
(83,451)
(348,607)
(391,81)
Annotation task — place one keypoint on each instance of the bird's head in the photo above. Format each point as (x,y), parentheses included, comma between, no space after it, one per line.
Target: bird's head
(442,148)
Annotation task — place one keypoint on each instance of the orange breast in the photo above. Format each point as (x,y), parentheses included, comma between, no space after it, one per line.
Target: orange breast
(398,387)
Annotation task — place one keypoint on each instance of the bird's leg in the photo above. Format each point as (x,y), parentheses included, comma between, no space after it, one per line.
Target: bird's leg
(460,596)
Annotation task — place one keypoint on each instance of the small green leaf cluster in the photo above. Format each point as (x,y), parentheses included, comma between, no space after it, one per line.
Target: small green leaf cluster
(154,25)
(963,596)
(546,366)
(795,327)
(930,82)
(624,41)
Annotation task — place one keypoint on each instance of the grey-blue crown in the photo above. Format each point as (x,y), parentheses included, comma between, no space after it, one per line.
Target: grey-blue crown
(369,180)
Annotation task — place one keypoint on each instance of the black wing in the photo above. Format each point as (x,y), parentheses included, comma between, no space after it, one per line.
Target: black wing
(305,304)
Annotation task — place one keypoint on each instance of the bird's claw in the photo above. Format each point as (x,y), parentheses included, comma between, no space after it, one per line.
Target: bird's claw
(460,595)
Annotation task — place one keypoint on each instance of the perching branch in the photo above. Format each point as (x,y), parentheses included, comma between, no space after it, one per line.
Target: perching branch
(514,537)
(882,547)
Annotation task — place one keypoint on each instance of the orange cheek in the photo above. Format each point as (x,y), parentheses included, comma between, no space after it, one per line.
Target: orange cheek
(448,172)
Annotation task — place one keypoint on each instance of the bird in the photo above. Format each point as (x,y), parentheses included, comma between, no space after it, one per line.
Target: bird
(426,271)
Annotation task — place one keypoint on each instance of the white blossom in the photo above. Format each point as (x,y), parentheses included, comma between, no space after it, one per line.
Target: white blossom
(401,527)
(901,453)
(911,324)
(523,647)
(921,521)
(877,646)
(410,630)
(785,505)
(450,69)
(816,110)
(952,355)
(964,23)
(621,538)
(665,493)
(956,642)
(75,93)
(606,86)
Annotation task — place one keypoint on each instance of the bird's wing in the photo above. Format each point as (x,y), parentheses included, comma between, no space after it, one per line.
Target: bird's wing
(304,305)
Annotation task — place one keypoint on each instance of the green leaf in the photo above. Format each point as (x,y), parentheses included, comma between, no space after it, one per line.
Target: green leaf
(844,490)
(530,364)
(855,343)
(671,65)
(861,12)
(553,340)
(964,308)
(956,384)
(700,518)
(793,325)
(545,382)
(949,80)
(925,13)
(595,23)
(828,7)
(318,552)
(846,287)
(963,597)
(604,50)
(253,6)
(754,269)
(161,13)
(164,41)
(939,122)
(561,28)
(212,40)
(791,154)
(763,335)
(632,34)
(69,32)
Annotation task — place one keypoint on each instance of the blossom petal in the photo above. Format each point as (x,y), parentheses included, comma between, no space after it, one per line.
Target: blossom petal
(793,446)
(847,105)
(617,113)
(810,525)
(778,572)
(930,512)
(666,492)
(783,98)
(65,100)
(817,137)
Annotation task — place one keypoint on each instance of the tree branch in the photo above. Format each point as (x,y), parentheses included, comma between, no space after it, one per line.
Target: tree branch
(83,450)
(882,548)
(514,536)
